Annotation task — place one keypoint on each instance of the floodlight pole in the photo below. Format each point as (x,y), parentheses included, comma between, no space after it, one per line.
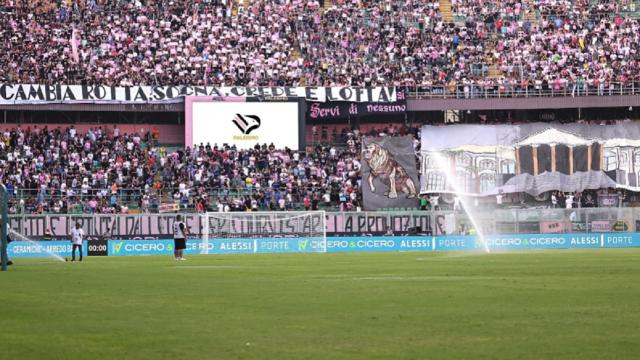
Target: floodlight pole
(5,226)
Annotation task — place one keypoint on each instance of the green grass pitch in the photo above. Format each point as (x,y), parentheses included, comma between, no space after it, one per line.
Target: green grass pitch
(558,304)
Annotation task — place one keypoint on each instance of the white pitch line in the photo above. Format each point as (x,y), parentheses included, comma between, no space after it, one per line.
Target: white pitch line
(212,267)
(406,278)
(445,255)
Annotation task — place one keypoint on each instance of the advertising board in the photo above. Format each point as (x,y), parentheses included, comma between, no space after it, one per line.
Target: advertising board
(243,124)
(335,244)
(41,249)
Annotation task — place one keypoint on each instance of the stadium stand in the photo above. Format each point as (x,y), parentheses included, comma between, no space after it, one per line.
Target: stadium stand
(561,46)
(107,171)
(467,48)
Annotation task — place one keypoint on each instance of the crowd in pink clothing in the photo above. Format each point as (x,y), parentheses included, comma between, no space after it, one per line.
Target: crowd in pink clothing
(544,44)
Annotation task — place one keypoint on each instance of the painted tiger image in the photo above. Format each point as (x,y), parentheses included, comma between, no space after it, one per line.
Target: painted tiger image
(383,166)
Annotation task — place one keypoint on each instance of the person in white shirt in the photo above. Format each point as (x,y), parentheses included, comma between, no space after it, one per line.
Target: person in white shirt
(456,203)
(76,240)
(573,217)
(435,202)
(569,201)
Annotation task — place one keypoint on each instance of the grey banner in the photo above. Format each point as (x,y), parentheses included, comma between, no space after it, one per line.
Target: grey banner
(389,174)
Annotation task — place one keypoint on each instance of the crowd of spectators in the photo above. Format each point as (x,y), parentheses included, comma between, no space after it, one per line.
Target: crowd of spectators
(105,171)
(550,44)
(508,10)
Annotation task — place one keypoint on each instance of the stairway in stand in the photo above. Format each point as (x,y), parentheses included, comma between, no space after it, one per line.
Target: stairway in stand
(327,4)
(295,54)
(446,11)
(236,5)
(494,71)
(531,14)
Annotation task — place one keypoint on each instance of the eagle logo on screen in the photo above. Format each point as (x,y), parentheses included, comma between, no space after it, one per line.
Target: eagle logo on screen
(247,123)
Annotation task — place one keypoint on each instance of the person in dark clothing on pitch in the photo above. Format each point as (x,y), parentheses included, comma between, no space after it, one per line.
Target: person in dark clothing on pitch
(180,232)
(9,240)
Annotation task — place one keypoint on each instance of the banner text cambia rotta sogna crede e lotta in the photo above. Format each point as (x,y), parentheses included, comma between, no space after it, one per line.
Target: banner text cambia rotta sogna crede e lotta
(34,94)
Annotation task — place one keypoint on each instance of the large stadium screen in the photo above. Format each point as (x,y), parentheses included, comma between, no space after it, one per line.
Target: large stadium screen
(243,124)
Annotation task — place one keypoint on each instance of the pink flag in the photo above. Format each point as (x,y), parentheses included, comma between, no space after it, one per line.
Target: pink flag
(74,46)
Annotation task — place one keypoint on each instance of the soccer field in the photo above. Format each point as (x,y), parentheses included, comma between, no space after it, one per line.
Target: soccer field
(556,304)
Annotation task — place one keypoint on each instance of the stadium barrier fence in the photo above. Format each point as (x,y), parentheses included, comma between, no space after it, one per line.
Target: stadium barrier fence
(520,90)
(401,222)
(131,198)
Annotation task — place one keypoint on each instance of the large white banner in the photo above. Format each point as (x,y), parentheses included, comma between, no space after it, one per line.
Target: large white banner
(244,124)
(532,158)
(35,94)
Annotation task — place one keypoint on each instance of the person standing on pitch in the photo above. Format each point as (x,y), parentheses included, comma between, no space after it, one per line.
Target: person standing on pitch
(180,233)
(9,240)
(76,239)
